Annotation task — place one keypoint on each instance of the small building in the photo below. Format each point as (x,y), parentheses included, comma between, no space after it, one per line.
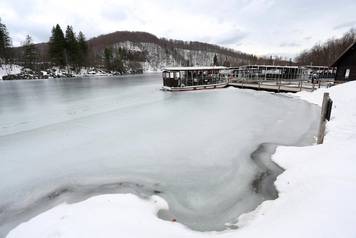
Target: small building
(346,65)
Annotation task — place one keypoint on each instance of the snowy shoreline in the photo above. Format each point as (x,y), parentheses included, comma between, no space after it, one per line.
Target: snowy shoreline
(316,194)
(72,194)
(316,190)
(16,72)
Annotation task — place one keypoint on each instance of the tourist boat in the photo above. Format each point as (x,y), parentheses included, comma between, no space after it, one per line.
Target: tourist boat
(195,78)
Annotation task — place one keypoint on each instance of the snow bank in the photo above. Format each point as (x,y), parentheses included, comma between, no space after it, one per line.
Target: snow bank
(317,192)
(9,69)
(317,195)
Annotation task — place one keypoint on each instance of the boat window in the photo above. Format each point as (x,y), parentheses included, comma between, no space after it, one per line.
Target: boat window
(171,75)
(177,74)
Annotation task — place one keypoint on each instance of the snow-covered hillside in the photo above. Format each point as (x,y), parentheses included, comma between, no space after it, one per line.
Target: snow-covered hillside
(317,195)
(158,57)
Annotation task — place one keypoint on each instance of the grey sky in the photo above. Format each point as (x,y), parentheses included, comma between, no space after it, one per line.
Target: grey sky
(261,27)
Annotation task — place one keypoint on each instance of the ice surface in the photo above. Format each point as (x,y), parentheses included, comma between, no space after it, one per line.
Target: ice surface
(76,136)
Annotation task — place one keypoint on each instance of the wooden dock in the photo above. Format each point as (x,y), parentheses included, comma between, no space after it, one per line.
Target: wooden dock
(262,85)
(272,78)
(281,86)
(277,88)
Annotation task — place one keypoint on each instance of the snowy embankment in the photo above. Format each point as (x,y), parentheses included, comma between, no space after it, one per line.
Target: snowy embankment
(317,194)
(9,69)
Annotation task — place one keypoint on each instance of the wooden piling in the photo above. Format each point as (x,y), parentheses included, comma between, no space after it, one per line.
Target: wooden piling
(324,113)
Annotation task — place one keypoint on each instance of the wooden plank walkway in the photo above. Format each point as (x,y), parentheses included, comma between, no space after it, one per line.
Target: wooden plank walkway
(271,87)
(263,85)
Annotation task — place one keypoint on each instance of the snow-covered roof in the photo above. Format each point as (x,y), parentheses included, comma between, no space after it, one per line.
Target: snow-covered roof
(194,68)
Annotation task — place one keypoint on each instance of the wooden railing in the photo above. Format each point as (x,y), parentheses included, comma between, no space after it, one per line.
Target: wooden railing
(285,85)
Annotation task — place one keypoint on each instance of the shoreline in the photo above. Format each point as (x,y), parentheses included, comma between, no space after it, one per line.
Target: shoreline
(16,72)
(316,188)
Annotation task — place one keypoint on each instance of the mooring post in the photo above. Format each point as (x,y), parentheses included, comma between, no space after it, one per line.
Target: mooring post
(300,85)
(325,115)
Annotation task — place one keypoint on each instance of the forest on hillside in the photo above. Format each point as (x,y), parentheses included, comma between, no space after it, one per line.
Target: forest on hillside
(237,58)
(326,53)
(68,48)
(125,51)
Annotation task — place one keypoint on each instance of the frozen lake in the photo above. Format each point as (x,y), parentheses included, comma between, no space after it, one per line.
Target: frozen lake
(205,152)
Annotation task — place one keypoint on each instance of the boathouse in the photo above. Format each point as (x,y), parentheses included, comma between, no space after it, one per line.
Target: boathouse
(346,65)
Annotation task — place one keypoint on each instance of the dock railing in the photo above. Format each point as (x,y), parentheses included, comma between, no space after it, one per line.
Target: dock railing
(281,78)
(281,84)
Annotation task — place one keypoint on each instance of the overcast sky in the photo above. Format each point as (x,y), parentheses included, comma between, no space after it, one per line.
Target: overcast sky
(262,27)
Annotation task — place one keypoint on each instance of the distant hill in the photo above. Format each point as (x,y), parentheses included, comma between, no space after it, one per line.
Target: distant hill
(154,53)
(161,52)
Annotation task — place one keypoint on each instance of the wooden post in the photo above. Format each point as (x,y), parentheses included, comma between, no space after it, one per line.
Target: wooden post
(259,84)
(301,85)
(322,124)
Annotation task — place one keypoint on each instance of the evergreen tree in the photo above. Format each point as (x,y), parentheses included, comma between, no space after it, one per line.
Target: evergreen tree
(226,63)
(83,50)
(57,46)
(215,60)
(118,64)
(108,58)
(5,42)
(30,53)
(72,47)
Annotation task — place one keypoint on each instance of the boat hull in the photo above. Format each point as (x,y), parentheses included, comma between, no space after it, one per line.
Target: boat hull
(195,87)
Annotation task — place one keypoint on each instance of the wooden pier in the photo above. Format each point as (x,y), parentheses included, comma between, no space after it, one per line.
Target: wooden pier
(278,79)
(269,86)
(272,87)
(278,86)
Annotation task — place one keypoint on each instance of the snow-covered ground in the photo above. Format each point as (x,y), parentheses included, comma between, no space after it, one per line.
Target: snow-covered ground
(317,192)
(54,72)
(6,69)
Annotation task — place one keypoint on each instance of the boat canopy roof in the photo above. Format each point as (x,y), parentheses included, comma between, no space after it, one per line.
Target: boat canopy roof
(195,68)
(269,66)
(316,67)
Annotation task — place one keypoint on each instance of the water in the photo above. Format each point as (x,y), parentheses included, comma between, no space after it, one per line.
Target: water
(206,152)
